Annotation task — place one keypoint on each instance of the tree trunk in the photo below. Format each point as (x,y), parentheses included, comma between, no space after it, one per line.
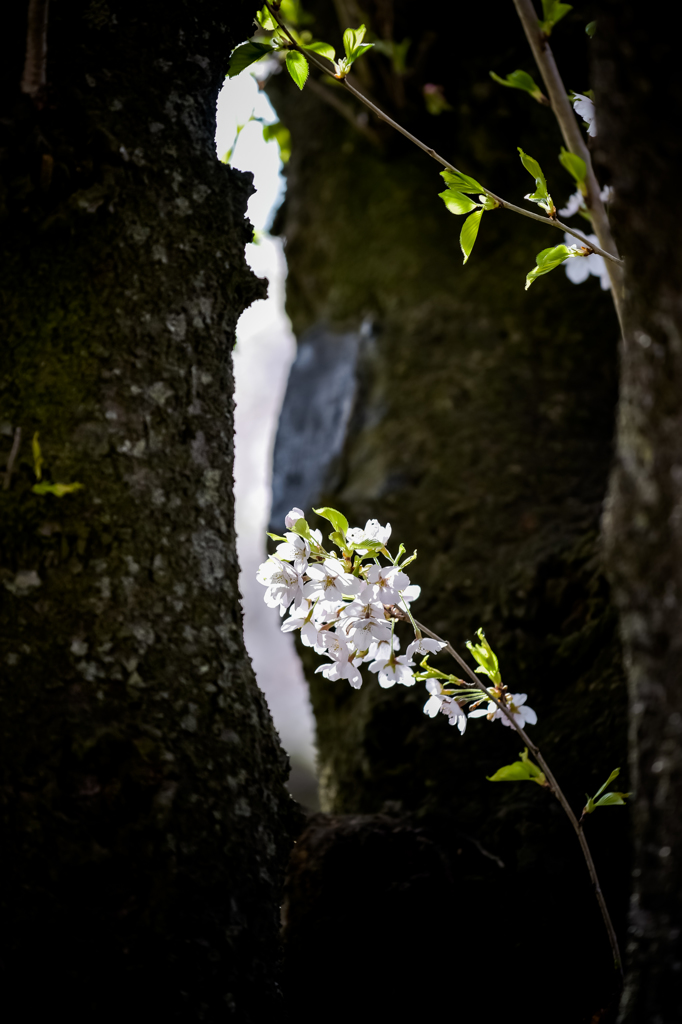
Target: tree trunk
(639,103)
(144,814)
(481,429)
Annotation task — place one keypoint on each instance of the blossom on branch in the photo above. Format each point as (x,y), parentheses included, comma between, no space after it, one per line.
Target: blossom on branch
(284,583)
(296,549)
(423,645)
(387,582)
(394,669)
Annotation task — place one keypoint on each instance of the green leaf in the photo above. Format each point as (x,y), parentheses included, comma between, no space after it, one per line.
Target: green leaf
(574,164)
(611,800)
(59,490)
(547,260)
(352,38)
(521,80)
(521,771)
(282,135)
(467,235)
(324,49)
(516,772)
(614,775)
(338,539)
(427,672)
(461,182)
(244,55)
(371,547)
(297,66)
(553,13)
(302,529)
(591,28)
(486,658)
(276,536)
(456,202)
(534,169)
(266,20)
(337,519)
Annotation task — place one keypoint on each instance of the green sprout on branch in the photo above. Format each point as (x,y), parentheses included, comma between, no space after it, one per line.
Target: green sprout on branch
(522,80)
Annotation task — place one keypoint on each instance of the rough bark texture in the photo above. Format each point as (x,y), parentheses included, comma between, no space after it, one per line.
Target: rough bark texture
(144,814)
(482,431)
(639,99)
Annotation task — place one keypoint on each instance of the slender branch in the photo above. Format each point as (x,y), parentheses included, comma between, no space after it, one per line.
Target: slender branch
(555,788)
(321,66)
(572,135)
(14,451)
(34,76)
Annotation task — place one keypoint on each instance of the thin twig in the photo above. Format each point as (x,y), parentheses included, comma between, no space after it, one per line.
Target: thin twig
(555,788)
(14,451)
(316,62)
(34,76)
(572,135)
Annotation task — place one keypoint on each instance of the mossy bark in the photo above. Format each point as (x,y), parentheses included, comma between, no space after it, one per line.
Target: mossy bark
(483,432)
(639,100)
(144,813)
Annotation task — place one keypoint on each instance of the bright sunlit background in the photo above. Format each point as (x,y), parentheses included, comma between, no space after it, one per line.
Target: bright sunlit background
(264,353)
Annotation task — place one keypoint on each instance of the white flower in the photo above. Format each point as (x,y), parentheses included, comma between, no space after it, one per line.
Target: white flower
(364,607)
(522,715)
(573,205)
(435,701)
(392,670)
(379,649)
(366,631)
(291,518)
(515,702)
(373,531)
(456,716)
(410,594)
(387,582)
(342,670)
(296,550)
(330,581)
(309,630)
(584,107)
(439,701)
(577,202)
(340,651)
(283,582)
(336,645)
(579,268)
(363,619)
(422,645)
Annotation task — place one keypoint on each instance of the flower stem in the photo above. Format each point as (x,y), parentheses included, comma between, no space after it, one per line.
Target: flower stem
(556,790)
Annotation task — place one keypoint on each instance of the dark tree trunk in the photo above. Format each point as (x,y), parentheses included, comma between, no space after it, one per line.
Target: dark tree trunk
(639,100)
(144,814)
(481,429)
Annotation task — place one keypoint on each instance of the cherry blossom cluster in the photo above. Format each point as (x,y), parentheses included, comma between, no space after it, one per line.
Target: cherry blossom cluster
(345,603)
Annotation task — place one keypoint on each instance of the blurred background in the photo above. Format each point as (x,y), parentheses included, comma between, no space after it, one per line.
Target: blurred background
(263,356)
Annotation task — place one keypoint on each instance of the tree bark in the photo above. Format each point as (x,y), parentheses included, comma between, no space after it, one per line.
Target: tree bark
(481,429)
(144,812)
(639,103)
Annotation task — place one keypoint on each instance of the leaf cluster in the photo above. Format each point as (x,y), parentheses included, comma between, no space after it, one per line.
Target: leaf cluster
(612,799)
